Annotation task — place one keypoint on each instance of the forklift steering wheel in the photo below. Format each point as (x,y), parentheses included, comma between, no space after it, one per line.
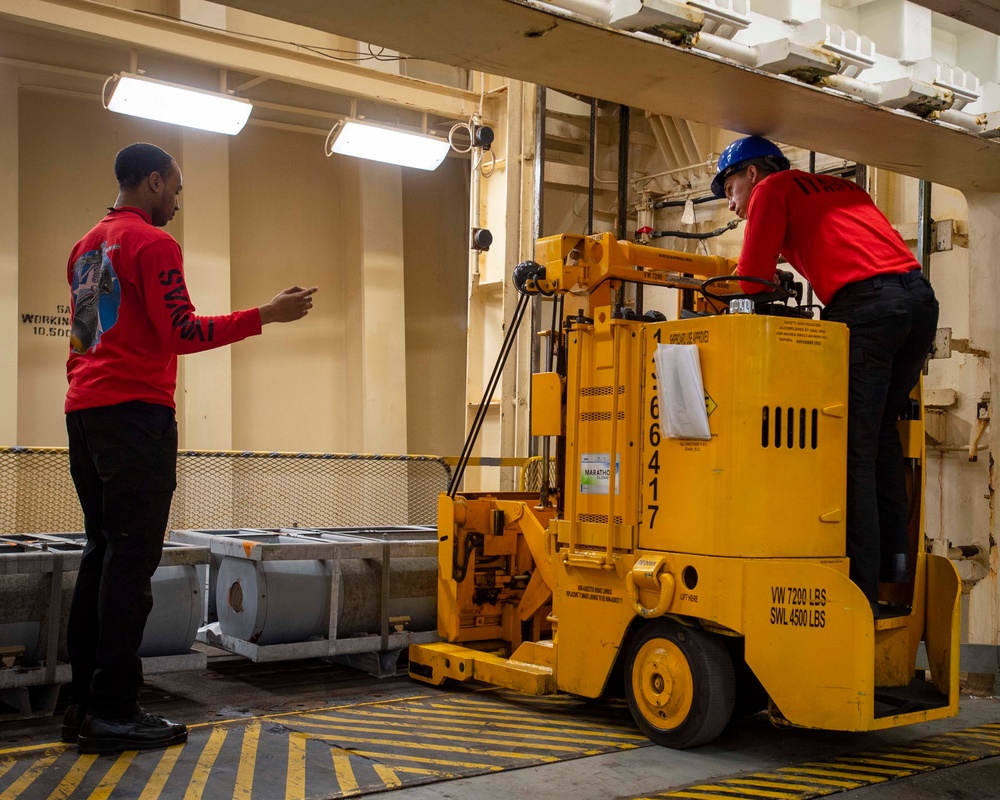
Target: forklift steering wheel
(777,292)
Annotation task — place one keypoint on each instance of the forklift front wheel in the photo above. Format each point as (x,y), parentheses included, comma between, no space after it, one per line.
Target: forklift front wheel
(680,684)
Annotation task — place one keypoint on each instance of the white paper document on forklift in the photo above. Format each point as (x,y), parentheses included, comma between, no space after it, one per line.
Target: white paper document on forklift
(682,394)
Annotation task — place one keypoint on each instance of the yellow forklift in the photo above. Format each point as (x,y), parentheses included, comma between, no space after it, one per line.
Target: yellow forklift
(705,572)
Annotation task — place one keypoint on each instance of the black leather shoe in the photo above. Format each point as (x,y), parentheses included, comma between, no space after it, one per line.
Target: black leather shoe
(142,731)
(72,720)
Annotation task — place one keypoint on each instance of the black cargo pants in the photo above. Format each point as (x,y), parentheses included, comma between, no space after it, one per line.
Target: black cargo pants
(892,320)
(123,460)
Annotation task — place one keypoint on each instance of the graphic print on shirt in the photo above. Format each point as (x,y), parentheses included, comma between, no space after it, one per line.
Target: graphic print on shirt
(96,298)
(814,184)
(182,311)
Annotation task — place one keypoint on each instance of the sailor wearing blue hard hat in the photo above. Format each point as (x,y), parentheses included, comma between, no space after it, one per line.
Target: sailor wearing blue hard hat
(831,231)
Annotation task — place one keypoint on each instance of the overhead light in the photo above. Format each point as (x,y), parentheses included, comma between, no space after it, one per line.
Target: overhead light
(363,139)
(140,96)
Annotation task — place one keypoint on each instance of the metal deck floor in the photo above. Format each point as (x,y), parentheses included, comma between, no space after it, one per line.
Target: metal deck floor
(315,730)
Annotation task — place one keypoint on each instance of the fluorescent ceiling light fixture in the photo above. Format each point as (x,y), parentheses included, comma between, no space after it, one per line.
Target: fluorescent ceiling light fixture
(354,137)
(140,96)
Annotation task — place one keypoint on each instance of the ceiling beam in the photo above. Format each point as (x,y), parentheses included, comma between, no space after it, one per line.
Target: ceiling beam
(525,40)
(130,29)
(983,14)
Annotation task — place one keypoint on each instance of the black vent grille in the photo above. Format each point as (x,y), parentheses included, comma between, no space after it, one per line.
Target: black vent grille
(600,519)
(599,416)
(789,428)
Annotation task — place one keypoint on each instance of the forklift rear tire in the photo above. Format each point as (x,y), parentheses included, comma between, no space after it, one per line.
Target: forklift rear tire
(680,684)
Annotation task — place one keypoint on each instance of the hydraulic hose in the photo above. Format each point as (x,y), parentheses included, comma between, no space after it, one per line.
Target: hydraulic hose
(491,386)
(543,494)
(679,203)
(690,235)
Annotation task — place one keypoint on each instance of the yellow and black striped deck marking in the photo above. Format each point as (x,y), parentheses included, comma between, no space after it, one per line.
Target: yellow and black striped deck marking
(843,773)
(340,751)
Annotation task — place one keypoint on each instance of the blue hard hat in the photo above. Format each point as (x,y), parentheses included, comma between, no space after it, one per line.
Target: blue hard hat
(741,151)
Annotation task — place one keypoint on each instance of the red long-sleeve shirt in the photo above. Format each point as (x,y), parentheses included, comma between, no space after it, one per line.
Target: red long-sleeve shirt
(828,228)
(132,316)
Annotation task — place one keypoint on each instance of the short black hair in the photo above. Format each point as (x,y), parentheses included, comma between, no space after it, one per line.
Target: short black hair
(138,161)
(765,165)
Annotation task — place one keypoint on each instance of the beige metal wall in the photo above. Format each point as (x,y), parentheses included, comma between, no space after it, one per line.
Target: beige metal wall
(66,152)
(435,216)
(289,227)
(294,216)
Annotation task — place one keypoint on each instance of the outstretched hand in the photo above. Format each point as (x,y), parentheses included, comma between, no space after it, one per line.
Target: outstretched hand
(288,306)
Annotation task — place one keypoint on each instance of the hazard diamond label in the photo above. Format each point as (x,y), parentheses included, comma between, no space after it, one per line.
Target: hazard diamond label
(710,404)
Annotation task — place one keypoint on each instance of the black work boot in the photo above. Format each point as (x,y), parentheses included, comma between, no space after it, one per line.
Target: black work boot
(72,720)
(895,569)
(142,731)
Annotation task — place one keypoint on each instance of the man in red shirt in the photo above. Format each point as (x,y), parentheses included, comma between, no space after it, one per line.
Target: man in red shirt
(862,271)
(131,318)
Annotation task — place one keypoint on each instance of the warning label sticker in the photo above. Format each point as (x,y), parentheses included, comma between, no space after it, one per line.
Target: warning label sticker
(805,332)
(798,606)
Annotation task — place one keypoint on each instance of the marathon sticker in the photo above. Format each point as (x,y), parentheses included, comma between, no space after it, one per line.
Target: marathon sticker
(798,606)
(595,473)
